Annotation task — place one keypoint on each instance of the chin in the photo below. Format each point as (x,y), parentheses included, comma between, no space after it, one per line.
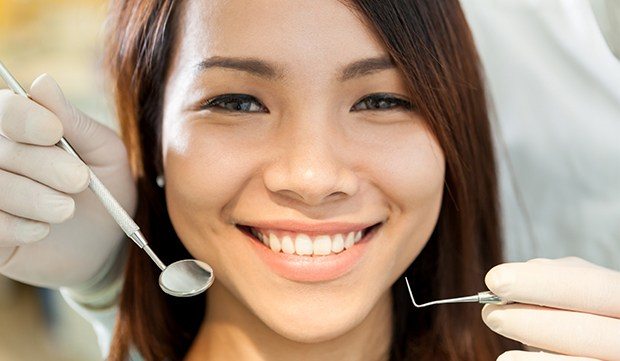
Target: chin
(307,324)
(313,329)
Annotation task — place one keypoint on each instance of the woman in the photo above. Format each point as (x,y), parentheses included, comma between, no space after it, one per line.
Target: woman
(303,148)
(312,155)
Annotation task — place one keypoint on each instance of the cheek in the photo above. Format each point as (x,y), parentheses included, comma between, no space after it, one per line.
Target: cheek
(204,171)
(409,171)
(408,167)
(419,177)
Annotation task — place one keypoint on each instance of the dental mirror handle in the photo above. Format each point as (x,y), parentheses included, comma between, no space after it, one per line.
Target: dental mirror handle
(117,212)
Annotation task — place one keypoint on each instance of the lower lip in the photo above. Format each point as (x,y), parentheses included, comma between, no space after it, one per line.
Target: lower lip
(313,268)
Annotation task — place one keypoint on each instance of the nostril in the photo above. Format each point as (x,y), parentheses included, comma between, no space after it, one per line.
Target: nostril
(337,195)
(311,183)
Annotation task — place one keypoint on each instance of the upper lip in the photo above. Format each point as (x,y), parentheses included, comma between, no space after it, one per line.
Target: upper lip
(309,228)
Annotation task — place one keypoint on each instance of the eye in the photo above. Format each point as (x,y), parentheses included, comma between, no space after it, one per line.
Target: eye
(381,101)
(241,103)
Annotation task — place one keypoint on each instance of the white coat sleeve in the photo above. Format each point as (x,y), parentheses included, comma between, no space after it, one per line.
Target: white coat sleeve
(102,320)
(97,302)
(554,88)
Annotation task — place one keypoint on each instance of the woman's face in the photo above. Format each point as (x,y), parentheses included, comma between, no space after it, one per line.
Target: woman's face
(286,121)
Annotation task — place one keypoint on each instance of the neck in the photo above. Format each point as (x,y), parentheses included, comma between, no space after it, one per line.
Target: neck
(231,331)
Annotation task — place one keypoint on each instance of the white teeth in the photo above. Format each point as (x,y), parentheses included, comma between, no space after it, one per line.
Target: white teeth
(338,243)
(322,245)
(287,245)
(304,245)
(350,240)
(274,243)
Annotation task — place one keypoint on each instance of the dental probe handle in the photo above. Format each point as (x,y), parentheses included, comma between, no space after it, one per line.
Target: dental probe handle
(491,298)
(117,212)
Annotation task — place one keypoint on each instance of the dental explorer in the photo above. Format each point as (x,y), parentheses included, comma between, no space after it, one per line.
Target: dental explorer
(481,297)
(183,278)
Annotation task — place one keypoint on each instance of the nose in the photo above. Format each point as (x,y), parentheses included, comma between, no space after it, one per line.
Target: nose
(309,166)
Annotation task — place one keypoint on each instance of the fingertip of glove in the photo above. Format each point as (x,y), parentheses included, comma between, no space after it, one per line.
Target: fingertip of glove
(44,85)
(40,81)
(491,316)
(500,279)
(507,356)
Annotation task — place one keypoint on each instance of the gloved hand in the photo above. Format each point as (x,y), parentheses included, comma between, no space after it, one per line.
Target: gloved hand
(53,230)
(567,306)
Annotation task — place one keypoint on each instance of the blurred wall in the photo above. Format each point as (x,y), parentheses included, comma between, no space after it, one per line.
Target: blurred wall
(62,38)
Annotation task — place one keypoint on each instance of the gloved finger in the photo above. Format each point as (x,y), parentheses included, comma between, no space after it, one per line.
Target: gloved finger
(572,287)
(51,166)
(95,143)
(17,231)
(539,356)
(23,120)
(565,332)
(566,261)
(23,197)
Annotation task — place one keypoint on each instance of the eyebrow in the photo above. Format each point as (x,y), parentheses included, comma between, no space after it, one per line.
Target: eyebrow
(366,67)
(271,71)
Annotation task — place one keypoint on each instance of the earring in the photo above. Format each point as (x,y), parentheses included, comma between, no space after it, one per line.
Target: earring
(160,181)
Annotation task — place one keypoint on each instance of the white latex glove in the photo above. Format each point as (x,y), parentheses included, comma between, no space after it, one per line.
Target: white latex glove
(53,230)
(567,306)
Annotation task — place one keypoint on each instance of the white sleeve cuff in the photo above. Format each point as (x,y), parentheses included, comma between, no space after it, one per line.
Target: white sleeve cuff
(102,320)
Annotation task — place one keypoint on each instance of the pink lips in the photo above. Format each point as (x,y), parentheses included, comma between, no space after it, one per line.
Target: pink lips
(313,268)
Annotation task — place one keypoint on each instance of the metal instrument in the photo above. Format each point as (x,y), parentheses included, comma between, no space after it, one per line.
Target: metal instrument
(183,278)
(481,297)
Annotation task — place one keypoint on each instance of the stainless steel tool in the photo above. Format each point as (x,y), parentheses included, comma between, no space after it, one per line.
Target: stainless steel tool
(183,278)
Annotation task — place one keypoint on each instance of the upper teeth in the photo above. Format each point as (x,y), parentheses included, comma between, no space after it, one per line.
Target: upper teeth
(305,245)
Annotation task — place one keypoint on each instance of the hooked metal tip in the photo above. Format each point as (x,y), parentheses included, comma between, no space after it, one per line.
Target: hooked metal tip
(411,293)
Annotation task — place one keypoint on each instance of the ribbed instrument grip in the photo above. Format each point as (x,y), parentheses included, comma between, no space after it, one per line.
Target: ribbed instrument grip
(116,211)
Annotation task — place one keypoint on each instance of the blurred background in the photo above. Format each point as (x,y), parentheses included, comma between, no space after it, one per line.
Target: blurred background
(62,38)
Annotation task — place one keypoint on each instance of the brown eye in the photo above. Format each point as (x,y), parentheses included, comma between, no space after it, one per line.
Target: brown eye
(242,103)
(381,101)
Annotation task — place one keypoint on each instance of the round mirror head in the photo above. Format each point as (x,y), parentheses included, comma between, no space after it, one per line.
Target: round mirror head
(186,278)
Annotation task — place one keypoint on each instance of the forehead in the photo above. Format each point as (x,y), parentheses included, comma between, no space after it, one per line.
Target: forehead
(322,34)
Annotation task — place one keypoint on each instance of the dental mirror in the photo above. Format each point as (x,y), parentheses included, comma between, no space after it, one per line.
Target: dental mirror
(184,278)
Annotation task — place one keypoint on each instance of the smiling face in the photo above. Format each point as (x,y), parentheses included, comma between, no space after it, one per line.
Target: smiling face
(288,124)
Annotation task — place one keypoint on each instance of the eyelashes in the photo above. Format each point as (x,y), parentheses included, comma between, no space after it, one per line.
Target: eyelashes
(244,103)
(235,103)
(381,101)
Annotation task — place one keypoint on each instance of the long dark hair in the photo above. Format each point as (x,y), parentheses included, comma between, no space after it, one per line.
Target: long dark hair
(430,42)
